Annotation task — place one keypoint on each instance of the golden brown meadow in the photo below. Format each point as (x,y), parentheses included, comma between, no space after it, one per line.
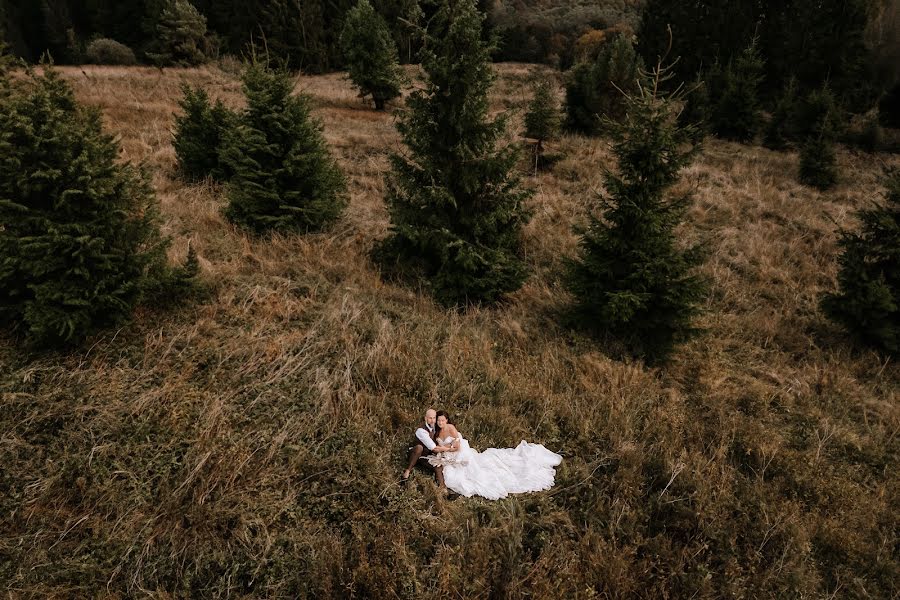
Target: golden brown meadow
(250,445)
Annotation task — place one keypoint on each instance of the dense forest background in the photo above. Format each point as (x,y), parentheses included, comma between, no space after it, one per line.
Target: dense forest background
(853,45)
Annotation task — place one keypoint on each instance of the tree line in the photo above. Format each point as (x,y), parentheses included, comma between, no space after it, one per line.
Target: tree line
(303,34)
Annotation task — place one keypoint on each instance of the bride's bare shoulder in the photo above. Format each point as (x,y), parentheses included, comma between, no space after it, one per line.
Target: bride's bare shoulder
(452,430)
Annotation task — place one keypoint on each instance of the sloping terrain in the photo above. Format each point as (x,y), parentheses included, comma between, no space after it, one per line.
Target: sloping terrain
(250,445)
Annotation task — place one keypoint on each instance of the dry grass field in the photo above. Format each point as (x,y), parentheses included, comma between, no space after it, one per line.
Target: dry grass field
(250,445)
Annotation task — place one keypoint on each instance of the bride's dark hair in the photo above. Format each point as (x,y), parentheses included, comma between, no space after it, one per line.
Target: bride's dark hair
(442,413)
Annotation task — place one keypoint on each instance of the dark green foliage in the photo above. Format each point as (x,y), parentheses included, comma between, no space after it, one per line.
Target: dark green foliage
(454,200)
(736,107)
(823,40)
(871,137)
(404,18)
(818,165)
(889,108)
(817,123)
(370,55)
(80,240)
(181,35)
(542,120)
(779,130)
(200,133)
(867,302)
(283,176)
(702,32)
(104,51)
(817,113)
(696,106)
(812,40)
(630,280)
(594,90)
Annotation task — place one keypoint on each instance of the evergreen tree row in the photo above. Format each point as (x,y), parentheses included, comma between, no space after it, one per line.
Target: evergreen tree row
(81,245)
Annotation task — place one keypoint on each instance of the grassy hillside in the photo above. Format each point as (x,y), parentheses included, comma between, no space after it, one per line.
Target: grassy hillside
(251,445)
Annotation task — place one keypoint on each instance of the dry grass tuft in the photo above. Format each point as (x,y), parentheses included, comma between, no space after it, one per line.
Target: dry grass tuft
(250,446)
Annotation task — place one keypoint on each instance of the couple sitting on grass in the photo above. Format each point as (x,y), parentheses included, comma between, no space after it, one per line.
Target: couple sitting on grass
(493,474)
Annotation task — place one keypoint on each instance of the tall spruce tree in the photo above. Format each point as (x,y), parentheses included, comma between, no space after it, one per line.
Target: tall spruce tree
(736,108)
(631,280)
(455,203)
(867,302)
(371,55)
(80,241)
(284,178)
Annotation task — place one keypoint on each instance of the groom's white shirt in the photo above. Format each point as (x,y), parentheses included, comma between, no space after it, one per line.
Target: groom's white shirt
(425,437)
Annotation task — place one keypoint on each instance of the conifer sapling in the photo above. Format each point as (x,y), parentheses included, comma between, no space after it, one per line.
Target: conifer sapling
(371,54)
(542,120)
(867,302)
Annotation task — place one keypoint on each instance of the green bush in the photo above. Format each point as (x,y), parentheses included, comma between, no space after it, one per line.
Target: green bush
(867,302)
(105,51)
(80,240)
(200,132)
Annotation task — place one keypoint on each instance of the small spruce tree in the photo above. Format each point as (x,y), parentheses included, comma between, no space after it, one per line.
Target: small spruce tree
(818,124)
(779,128)
(181,34)
(200,132)
(80,240)
(542,119)
(631,280)
(736,112)
(371,54)
(283,178)
(867,302)
(454,199)
(594,89)
(695,111)
(889,107)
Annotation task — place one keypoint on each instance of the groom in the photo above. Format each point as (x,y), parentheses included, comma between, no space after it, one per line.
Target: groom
(424,444)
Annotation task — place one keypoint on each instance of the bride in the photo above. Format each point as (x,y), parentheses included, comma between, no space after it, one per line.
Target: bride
(494,473)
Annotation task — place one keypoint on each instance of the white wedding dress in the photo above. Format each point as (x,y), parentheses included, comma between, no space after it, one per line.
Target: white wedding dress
(497,472)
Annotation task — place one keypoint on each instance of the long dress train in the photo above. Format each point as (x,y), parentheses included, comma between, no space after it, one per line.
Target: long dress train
(497,472)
